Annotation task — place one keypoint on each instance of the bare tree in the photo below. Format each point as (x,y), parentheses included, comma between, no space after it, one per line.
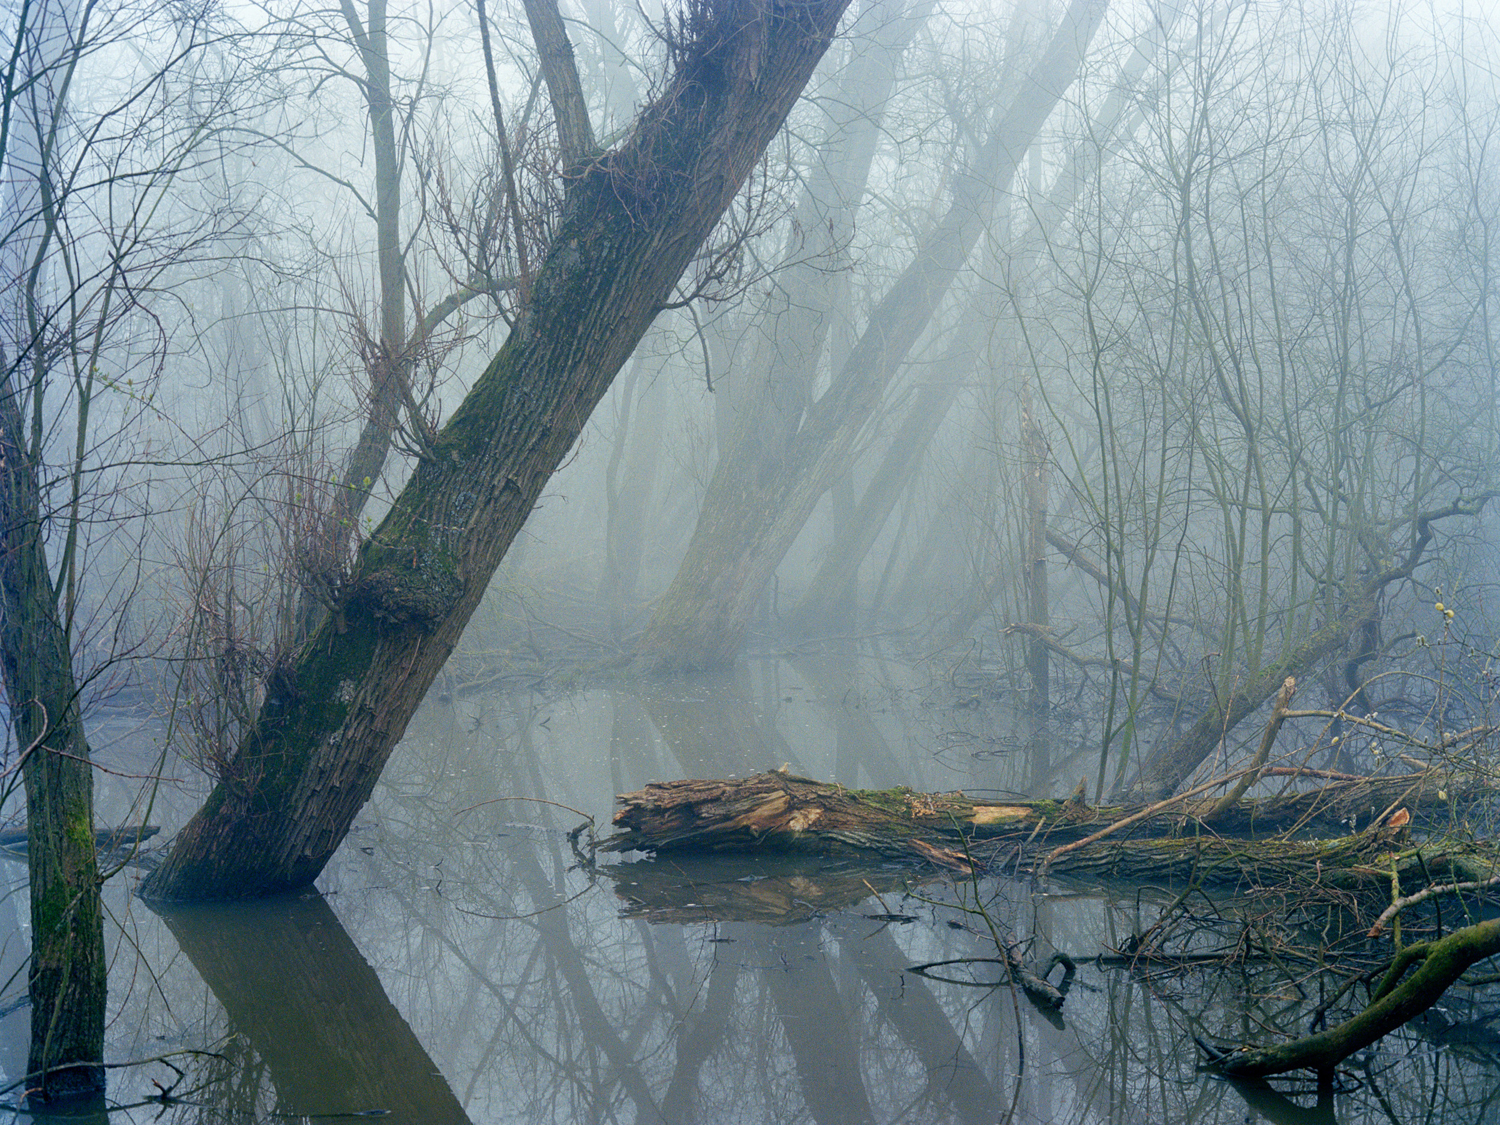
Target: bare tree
(763,492)
(1255,367)
(81,243)
(632,219)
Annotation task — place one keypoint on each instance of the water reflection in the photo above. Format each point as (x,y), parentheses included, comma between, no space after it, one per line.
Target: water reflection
(463,965)
(770,891)
(304,1007)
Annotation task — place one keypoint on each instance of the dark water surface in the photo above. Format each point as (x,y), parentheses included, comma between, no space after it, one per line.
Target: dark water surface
(460,964)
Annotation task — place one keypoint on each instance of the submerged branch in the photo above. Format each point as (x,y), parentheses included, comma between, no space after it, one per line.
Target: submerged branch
(1440,963)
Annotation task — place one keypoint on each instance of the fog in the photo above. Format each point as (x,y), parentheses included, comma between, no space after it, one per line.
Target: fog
(1208,300)
(1092,370)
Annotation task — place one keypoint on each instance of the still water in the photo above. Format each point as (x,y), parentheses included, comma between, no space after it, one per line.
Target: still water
(460,964)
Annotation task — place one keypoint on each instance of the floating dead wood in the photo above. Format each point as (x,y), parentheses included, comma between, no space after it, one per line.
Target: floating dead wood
(13,840)
(1249,845)
(1245,846)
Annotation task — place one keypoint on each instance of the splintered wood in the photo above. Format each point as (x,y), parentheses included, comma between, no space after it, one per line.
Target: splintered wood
(780,812)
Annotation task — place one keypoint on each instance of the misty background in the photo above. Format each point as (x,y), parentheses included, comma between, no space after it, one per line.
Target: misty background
(1107,350)
(1066,377)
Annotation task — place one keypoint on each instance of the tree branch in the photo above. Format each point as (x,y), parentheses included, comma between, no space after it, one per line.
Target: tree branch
(1442,963)
(1400,904)
(569,109)
(507,163)
(1273,728)
(1047,637)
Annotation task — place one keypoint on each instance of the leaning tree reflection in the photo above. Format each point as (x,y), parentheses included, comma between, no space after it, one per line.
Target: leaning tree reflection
(468,955)
(295,988)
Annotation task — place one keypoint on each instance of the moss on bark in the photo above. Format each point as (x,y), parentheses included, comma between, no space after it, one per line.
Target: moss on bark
(631,223)
(1399,998)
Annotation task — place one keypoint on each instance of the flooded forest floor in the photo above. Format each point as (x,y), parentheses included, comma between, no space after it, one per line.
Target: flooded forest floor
(466,959)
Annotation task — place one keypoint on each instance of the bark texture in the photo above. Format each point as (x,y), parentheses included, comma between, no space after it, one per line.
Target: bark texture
(67,975)
(633,219)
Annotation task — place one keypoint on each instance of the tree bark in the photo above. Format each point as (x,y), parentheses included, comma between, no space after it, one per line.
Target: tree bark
(67,974)
(781,813)
(631,222)
(570,112)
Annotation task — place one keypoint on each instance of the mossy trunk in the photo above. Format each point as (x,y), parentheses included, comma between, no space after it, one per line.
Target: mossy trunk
(634,218)
(67,975)
(1439,964)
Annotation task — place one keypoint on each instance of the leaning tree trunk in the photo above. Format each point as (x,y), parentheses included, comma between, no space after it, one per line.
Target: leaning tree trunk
(905,452)
(750,520)
(634,217)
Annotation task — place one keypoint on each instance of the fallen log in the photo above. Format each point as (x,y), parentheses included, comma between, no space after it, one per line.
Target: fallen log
(14,840)
(1173,841)
(779,811)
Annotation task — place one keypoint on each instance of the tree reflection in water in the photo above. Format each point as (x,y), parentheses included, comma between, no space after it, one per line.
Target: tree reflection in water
(464,967)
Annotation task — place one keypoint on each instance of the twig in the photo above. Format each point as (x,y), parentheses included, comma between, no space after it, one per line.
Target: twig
(534,800)
(1400,904)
